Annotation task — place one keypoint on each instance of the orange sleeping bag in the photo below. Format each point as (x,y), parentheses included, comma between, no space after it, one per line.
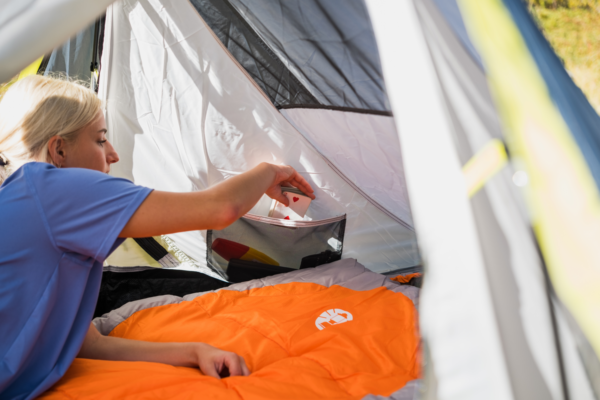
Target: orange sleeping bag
(300,340)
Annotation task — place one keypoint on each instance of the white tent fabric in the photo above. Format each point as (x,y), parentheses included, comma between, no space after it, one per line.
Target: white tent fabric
(184,116)
(529,281)
(370,141)
(31,28)
(458,324)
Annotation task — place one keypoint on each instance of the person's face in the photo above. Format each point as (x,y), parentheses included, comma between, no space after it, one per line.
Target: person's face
(90,149)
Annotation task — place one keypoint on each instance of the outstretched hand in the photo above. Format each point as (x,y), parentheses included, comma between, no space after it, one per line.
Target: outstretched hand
(211,360)
(287,176)
(219,363)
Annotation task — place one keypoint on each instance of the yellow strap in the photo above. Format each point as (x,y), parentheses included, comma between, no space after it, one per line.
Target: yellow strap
(32,69)
(562,196)
(483,165)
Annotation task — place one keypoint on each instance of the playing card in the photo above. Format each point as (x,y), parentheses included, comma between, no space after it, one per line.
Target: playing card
(299,204)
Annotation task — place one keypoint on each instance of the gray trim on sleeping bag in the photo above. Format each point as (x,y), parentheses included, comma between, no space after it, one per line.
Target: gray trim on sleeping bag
(347,273)
(410,391)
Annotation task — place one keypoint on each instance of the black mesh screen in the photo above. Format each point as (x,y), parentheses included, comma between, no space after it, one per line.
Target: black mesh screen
(250,51)
(328,44)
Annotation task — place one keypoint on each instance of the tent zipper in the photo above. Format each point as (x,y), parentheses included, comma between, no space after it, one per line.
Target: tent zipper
(293,224)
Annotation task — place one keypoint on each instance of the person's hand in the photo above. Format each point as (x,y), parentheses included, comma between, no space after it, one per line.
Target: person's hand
(287,176)
(219,363)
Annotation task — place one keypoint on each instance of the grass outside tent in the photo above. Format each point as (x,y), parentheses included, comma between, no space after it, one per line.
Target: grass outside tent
(554,4)
(574,33)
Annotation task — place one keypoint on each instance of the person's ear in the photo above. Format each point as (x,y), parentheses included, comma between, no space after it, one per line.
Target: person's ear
(57,151)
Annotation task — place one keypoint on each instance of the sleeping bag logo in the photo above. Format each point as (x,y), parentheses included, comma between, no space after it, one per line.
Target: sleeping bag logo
(335,316)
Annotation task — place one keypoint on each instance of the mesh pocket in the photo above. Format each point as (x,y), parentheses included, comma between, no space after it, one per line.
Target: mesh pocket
(276,242)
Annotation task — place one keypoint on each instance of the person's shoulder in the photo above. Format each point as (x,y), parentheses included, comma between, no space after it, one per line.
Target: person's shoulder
(25,173)
(44,173)
(36,167)
(45,169)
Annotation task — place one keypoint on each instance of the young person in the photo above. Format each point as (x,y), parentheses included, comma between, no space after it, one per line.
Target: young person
(61,215)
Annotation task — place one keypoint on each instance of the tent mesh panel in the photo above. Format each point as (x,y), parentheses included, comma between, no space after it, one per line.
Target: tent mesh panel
(267,70)
(328,45)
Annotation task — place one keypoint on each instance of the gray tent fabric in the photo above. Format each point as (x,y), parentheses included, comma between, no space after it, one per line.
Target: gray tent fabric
(333,54)
(74,57)
(267,70)
(347,273)
(451,13)
(576,343)
(410,391)
(512,265)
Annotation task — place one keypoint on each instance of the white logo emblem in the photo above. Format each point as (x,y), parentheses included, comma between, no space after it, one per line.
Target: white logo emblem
(335,316)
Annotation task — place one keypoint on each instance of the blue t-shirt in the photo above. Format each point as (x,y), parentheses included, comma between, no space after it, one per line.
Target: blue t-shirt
(57,226)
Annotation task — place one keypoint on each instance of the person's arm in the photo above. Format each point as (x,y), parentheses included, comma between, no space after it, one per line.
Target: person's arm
(214,208)
(211,361)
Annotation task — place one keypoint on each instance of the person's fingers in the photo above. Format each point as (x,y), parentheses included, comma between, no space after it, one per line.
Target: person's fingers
(303,185)
(210,369)
(300,180)
(232,361)
(245,369)
(307,190)
(288,176)
(280,197)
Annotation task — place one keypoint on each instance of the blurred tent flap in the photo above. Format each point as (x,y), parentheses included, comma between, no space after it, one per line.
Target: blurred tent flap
(399,113)
(546,117)
(29,28)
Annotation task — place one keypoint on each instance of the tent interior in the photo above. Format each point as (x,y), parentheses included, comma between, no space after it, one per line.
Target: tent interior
(401,116)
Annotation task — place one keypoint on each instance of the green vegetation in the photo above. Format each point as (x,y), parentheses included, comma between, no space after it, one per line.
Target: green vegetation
(575,35)
(564,3)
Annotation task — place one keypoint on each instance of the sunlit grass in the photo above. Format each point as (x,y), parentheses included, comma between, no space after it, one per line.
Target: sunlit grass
(564,3)
(575,37)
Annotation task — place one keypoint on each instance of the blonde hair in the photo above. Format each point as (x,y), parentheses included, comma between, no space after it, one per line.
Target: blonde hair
(35,109)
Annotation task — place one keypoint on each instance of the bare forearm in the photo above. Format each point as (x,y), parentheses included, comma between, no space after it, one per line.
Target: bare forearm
(215,208)
(211,361)
(118,349)
(243,191)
